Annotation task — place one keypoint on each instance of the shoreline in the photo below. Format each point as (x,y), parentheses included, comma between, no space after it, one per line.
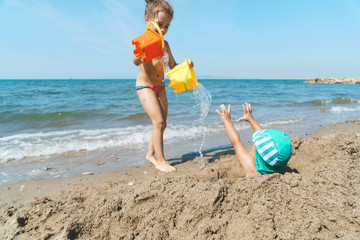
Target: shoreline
(20,193)
(320,190)
(74,164)
(25,192)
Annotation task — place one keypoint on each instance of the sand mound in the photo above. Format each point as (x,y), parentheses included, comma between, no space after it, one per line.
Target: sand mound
(318,198)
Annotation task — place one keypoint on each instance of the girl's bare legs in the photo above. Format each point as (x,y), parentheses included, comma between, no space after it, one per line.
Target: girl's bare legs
(150,156)
(156,108)
(162,165)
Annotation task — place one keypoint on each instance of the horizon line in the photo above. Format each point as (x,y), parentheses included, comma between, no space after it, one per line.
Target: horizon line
(207,78)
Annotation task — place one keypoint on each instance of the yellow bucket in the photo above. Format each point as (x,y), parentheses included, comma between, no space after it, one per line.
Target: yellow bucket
(182,78)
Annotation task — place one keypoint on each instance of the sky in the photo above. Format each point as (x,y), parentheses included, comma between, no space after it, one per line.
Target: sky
(245,39)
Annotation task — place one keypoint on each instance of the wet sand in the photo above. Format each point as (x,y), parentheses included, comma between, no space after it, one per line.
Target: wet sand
(208,198)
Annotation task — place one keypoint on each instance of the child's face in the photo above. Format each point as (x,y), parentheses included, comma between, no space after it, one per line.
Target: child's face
(162,19)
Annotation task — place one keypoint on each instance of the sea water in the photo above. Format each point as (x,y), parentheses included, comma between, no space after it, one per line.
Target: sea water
(61,128)
(203,100)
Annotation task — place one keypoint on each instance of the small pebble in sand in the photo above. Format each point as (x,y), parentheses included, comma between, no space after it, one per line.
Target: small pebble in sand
(87,173)
(42,199)
(132,182)
(48,169)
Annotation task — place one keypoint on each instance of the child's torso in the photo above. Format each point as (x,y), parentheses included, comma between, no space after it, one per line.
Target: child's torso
(151,73)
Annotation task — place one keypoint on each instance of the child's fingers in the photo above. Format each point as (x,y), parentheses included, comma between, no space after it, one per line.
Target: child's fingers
(229,108)
(222,109)
(246,108)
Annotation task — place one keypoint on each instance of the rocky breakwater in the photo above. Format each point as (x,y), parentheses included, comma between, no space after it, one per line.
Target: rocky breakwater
(334,80)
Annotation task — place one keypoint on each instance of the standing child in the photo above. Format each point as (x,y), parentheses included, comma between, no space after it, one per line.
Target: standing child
(150,86)
(271,150)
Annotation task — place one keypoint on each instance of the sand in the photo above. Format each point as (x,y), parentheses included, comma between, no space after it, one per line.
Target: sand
(209,198)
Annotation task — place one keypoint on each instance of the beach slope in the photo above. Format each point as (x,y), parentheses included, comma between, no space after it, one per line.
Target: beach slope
(317,198)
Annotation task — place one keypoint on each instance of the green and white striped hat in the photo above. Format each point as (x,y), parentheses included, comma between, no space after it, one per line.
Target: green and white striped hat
(273,148)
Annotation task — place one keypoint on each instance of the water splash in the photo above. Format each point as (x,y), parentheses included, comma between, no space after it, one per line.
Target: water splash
(203,100)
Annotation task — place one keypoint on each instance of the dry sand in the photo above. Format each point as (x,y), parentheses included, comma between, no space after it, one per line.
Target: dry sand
(318,198)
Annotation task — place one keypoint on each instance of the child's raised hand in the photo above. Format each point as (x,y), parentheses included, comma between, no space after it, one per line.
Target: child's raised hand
(190,63)
(225,114)
(247,112)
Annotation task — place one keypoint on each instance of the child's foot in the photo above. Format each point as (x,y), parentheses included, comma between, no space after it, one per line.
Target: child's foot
(152,159)
(164,167)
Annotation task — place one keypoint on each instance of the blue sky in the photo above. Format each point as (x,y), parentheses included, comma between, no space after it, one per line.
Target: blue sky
(41,39)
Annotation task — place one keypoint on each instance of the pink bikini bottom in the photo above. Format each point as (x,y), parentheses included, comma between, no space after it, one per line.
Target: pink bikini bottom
(157,89)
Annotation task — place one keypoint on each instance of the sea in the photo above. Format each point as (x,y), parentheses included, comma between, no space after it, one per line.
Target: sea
(63,128)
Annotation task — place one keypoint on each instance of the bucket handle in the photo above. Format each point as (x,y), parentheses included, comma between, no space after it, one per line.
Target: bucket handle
(160,32)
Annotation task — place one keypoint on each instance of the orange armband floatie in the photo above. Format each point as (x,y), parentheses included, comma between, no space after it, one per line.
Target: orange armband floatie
(149,45)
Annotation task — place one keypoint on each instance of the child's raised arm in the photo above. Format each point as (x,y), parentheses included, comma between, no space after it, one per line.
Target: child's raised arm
(172,62)
(246,160)
(249,117)
(230,129)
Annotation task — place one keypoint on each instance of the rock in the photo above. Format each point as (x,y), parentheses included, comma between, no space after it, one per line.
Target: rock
(334,80)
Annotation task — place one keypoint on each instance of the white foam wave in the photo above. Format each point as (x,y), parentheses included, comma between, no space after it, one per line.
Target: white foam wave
(282,122)
(20,146)
(326,102)
(336,109)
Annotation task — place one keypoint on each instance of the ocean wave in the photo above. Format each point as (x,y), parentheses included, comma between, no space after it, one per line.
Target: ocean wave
(282,122)
(345,100)
(136,116)
(338,109)
(47,92)
(35,115)
(319,102)
(337,100)
(20,146)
